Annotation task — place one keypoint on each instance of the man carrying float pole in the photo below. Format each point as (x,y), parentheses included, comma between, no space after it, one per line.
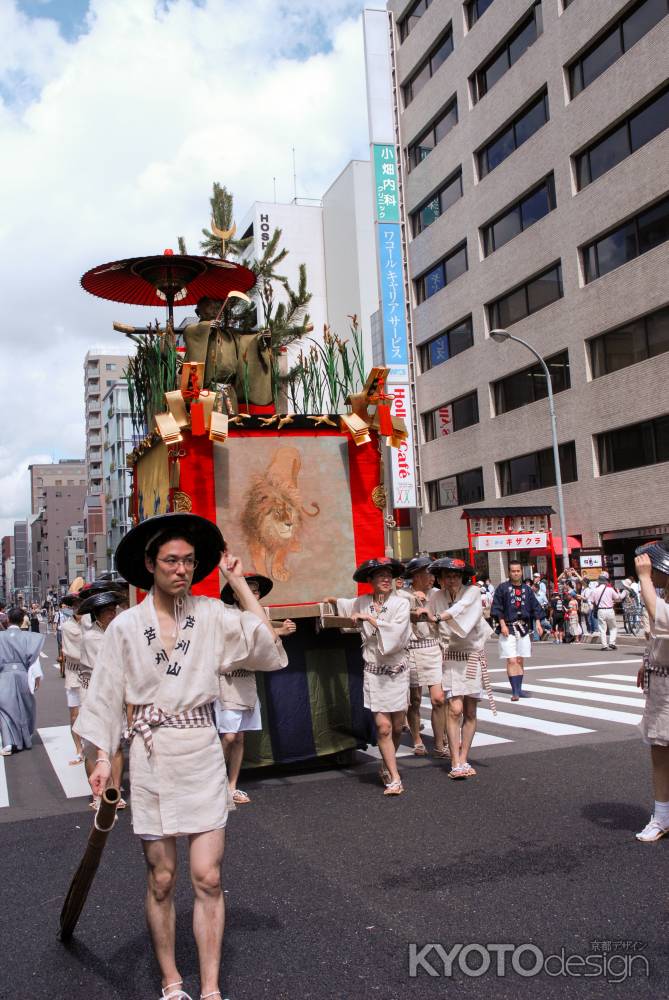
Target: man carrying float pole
(385,628)
(164,657)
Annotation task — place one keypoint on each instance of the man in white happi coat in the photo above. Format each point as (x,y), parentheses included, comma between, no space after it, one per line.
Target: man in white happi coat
(164,657)
(458,608)
(652,567)
(237,711)
(385,628)
(100,608)
(71,631)
(424,657)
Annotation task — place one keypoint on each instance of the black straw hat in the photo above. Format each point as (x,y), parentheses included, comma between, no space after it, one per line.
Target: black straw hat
(98,601)
(416,564)
(455,565)
(369,566)
(658,552)
(264,586)
(206,538)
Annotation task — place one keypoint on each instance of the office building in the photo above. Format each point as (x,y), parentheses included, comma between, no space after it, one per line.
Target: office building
(117,444)
(535,186)
(101,371)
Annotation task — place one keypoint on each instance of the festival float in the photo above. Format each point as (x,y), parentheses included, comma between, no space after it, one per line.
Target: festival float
(289,464)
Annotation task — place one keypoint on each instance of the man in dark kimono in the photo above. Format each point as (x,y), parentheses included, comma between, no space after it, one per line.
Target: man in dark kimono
(19,649)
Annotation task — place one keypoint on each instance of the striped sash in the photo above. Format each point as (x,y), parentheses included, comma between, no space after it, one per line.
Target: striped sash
(148,717)
(475,660)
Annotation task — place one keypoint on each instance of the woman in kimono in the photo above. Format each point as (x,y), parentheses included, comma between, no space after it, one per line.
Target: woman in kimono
(652,569)
(164,657)
(102,607)
(384,620)
(424,657)
(237,710)
(458,609)
(19,660)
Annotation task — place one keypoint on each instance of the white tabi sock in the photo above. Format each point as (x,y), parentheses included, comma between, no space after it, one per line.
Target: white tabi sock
(661,814)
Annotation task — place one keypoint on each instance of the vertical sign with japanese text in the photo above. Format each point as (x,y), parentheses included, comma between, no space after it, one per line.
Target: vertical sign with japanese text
(393,303)
(385,183)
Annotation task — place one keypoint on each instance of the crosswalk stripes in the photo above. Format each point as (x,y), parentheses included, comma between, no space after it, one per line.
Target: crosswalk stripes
(613,677)
(584,711)
(593,683)
(4,792)
(518,721)
(605,699)
(480,739)
(58,744)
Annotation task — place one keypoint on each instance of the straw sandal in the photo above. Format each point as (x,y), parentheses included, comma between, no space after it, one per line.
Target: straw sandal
(394,788)
(458,773)
(420,750)
(239,798)
(442,752)
(178,993)
(78,759)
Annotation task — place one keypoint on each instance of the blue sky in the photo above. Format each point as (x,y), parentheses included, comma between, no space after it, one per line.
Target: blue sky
(110,150)
(70,14)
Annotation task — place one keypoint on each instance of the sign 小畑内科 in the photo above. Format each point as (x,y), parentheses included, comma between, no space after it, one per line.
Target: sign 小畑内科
(385,183)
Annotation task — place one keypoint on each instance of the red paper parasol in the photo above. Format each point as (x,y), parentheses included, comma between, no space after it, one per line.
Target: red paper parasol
(167,279)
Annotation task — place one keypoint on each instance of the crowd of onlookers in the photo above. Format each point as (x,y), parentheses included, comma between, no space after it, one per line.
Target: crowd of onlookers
(579,607)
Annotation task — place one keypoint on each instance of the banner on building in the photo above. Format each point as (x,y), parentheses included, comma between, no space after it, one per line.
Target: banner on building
(493,543)
(403,460)
(393,303)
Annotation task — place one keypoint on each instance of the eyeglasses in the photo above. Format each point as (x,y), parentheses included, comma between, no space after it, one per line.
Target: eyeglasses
(172,562)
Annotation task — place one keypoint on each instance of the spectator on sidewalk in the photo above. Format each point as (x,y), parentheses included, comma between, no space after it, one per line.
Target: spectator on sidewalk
(604,600)
(557,615)
(543,618)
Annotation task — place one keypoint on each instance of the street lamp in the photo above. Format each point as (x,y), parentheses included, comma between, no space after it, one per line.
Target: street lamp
(500,336)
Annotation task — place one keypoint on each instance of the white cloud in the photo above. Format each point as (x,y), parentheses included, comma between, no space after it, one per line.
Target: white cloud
(110,146)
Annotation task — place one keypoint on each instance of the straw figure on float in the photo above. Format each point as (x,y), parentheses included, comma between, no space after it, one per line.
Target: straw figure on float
(273,514)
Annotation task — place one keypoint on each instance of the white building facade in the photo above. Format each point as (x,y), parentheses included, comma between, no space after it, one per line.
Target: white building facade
(116,475)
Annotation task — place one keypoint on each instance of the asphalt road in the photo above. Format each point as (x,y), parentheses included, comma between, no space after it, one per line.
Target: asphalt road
(329,884)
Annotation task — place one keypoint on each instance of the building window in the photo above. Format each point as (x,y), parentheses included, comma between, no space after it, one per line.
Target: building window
(529,384)
(110,367)
(520,216)
(456,491)
(513,135)
(474,10)
(528,298)
(442,274)
(508,53)
(423,146)
(438,55)
(536,471)
(623,139)
(637,236)
(611,45)
(642,338)
(449,343)
(633,446)
(412,17)
(430,211)
(451,417)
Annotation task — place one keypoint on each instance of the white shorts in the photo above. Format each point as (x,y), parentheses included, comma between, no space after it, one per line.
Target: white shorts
(511,645)
(73,696)
(233,720)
